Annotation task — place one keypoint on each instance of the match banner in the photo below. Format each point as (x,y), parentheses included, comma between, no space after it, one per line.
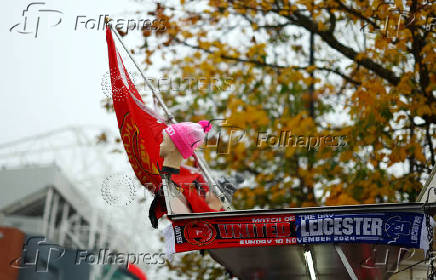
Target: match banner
(403,228)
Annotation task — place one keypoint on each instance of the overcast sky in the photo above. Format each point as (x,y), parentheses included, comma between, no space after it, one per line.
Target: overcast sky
(54,80)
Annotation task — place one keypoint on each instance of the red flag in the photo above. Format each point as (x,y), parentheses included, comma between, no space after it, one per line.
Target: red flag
(140,127)
(141,131)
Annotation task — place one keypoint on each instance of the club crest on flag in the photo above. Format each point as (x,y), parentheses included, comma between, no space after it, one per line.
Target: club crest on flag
(199,233)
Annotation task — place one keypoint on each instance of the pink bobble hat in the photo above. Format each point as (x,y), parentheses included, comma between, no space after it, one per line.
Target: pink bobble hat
(187,136)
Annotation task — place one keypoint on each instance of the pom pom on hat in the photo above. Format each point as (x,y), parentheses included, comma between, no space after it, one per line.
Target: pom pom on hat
(187,136)
(207,126)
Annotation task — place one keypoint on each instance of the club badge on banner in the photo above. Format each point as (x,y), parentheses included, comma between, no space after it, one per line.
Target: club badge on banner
(403,228)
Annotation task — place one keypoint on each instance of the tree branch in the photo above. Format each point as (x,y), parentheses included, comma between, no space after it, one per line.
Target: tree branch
(357,14)
(430,143)
(328,37)
(264,64)
(331,40)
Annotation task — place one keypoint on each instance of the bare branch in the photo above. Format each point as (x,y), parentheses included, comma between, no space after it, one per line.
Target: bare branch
(264,64)
(329,38)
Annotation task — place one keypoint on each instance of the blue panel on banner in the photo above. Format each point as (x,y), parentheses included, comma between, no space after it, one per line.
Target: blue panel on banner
(386,228)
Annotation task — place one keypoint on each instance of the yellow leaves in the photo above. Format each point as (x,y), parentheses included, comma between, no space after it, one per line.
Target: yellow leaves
(339,196)
(308,204)
(239,149)
(259,191)
(423,110)
(381,42)
(345,199)
(398,154)
(399,5)
(284,12)
(321,26)
(257,51)
(204,44)
(254,26)
(206,67)
(420,107)
(288,76)
(299,125)
(186,34)
(235,103)
(307,125)
(405,85)
(310,69)
(277,196)
(237,119)
(360,56)
(250,199)
(290,151)
(197,55)
(309,80)
(148,53)
(242,114)
(253,115)
(189,70)
(266,5)
(346,156)
(419,155)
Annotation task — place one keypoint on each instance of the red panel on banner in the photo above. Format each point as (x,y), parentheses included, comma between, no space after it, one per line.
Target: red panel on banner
(225,232)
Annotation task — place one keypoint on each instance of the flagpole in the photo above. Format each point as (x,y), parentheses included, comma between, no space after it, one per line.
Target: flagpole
(201,162)
(155,93)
